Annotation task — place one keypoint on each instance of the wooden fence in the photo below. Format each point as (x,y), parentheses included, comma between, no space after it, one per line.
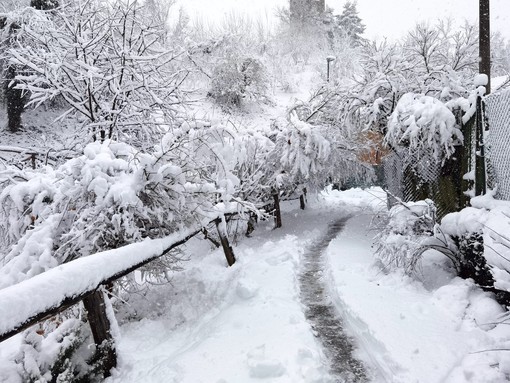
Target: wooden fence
(49,293)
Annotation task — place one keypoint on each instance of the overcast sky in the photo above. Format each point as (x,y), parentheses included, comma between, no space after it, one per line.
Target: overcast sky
(392,18)
(383,18)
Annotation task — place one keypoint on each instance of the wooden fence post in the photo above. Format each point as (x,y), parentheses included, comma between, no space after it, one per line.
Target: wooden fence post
(302,200)
(277,211)
(101,330)
(227,249)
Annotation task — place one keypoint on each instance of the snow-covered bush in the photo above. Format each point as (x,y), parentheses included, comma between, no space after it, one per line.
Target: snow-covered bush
(423,124)
(400,243)
(61,355)
(478,235)
(236,79)
(106,61)
(110,196)
(473,239)
(304,153)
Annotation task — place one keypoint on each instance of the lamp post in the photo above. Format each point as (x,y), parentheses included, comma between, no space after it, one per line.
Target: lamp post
(329,59)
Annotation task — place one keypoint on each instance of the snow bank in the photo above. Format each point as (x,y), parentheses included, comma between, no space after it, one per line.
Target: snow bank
(409,332)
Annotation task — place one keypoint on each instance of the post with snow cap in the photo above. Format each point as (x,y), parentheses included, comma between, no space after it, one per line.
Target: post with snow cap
(221,226)
(329,59)
(481,81)
(485,42)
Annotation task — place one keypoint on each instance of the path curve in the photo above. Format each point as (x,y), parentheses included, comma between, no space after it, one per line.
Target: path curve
(321,313)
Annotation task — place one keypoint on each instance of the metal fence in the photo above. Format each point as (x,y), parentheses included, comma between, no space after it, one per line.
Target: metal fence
(412,178)
(497,111)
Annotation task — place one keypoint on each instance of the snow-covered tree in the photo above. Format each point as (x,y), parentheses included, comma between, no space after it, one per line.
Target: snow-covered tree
(350,23)
(424,125)
(304,153)
(106,61)
(235,79)
(110,196)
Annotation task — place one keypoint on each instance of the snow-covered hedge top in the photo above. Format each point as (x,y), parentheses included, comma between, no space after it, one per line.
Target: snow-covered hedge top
(424,123)
(474,219)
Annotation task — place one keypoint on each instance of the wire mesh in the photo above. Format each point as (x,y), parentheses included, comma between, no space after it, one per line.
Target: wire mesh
(497,108)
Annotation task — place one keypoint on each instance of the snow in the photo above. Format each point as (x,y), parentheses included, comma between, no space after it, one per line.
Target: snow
(49,289)
(254,327)
(411,331)
(498,82)
(424,123)
(246,323)
(481,79)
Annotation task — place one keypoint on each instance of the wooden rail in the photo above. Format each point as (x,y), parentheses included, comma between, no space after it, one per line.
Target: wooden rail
(11,296)
(43,296)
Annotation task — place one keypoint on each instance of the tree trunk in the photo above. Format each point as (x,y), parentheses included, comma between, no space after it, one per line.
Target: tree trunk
(101,330)
(485,42)
(15,100)
(250,226)
(277,211)
(227,249)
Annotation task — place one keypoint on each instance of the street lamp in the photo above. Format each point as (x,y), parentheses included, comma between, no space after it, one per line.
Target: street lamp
(329,59)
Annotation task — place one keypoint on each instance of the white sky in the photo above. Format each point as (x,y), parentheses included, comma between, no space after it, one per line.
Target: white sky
(392,18)
(383,18)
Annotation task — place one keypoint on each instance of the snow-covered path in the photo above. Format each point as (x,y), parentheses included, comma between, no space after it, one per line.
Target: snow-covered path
(322,314)
(248,323)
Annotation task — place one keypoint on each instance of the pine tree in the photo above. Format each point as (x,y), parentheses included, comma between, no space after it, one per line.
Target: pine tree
(351,23)
(44,5)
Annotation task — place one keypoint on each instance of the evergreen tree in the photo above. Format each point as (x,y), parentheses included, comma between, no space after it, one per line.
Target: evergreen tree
(44,5)
(351,23)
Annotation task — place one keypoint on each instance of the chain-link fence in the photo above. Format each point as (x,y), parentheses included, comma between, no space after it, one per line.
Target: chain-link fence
(450,184)
(412,178)
(497,108)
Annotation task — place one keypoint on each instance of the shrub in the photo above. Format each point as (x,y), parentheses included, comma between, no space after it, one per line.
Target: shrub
(234,80)
(399,245)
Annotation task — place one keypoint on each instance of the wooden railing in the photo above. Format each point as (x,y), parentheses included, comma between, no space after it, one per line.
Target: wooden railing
(51,292)
(43,296)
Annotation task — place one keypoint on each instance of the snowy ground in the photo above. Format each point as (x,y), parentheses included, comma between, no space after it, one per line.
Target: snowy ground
(246,324)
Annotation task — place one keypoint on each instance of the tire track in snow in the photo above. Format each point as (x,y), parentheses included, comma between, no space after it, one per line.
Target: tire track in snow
(321,313)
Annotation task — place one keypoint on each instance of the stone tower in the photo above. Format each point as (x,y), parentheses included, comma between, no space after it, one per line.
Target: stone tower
(302,9)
